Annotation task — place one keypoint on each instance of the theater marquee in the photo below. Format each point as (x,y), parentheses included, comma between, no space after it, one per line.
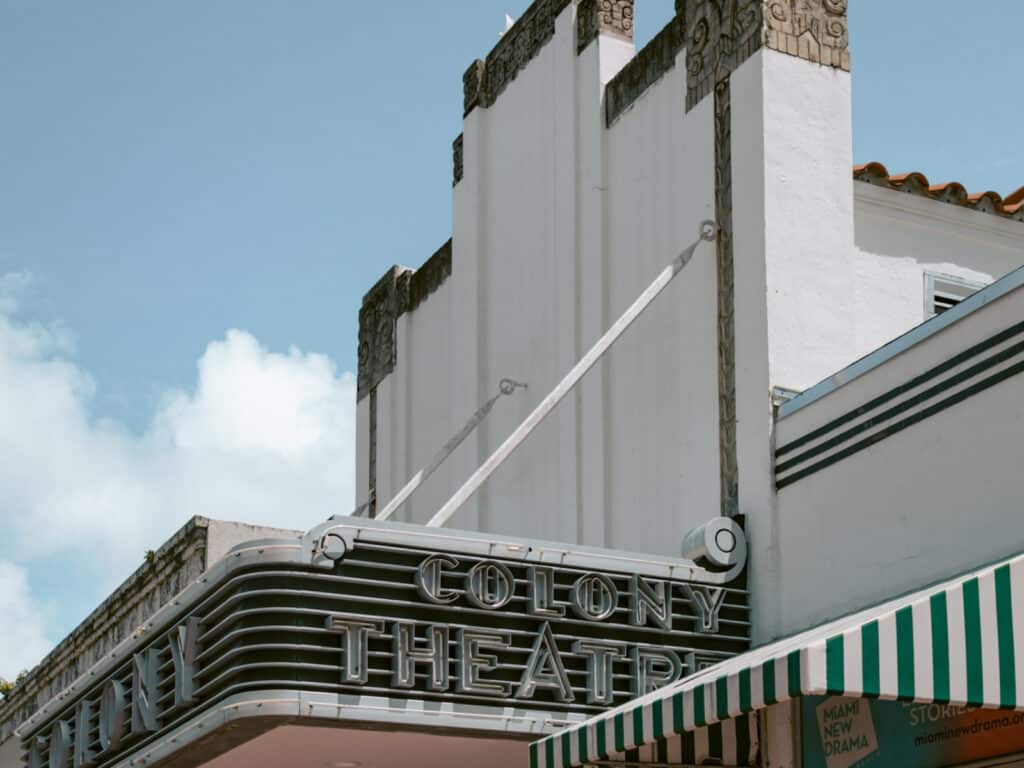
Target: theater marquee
(360,617)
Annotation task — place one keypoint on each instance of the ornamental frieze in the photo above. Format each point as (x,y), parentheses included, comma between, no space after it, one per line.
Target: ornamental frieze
(401,290)
(722,34)
(382,305)
(815,30)
(457,160)
(484,81)
(594,17)
(646,68)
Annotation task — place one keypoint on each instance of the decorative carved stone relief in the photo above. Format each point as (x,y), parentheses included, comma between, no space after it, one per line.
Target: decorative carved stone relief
(429,277)
(472,86)
(728,462)
(381,307)
(646,68)
(457,160)
(594,17)
(401,290)
(722,34)
(484,81)
(815,30)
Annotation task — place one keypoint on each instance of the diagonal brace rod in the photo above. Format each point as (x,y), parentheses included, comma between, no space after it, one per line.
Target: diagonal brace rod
(505,387)
(708,233)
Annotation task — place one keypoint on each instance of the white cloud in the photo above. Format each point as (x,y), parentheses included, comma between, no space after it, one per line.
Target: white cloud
(264,437)
(23,641)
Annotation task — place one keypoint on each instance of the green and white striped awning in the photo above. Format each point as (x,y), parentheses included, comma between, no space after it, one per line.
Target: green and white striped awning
(955,642)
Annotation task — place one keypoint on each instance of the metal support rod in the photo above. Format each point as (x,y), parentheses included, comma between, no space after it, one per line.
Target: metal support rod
(708,232)
(505,387)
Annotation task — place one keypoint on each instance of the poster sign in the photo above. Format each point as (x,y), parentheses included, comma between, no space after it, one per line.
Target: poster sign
(860,733)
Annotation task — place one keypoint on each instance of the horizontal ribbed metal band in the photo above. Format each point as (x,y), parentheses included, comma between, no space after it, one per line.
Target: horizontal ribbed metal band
(267,626)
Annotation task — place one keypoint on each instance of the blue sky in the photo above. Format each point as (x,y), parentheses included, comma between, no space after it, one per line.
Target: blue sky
(170,171)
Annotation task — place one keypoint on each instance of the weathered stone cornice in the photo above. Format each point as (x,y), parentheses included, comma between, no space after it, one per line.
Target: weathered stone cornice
(400,290)
(381,307)
(722,34)
(646,68)
(596,17)
(457,159)
(484,81)
(168,571)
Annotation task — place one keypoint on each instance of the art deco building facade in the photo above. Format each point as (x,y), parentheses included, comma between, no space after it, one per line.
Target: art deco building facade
(777,523)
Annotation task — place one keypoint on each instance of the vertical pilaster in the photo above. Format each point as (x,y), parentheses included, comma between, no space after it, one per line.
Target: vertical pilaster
(562,208)
(465,309)
(603,17)
(591,398)
(604,45)
(726,325)
(371,493)
(722,35)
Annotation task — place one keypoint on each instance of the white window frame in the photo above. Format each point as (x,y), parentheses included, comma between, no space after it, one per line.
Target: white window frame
(951,286)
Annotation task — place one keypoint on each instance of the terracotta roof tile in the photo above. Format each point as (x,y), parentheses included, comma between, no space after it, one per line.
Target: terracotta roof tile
(1014,198)
(916,183)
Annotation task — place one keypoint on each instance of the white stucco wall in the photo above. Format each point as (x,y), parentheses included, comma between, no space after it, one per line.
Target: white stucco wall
(661,382)
(792,197)
(899,238)
(420,406)
(935,499)
(559,222)
(794,190)
(524,256)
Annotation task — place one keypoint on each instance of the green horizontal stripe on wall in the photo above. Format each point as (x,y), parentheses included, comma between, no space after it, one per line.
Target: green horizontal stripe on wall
(913,383)
(896,427)
(906,405)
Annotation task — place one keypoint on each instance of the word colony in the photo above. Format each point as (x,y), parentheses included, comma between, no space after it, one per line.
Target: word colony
(124,714)
(490,585)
